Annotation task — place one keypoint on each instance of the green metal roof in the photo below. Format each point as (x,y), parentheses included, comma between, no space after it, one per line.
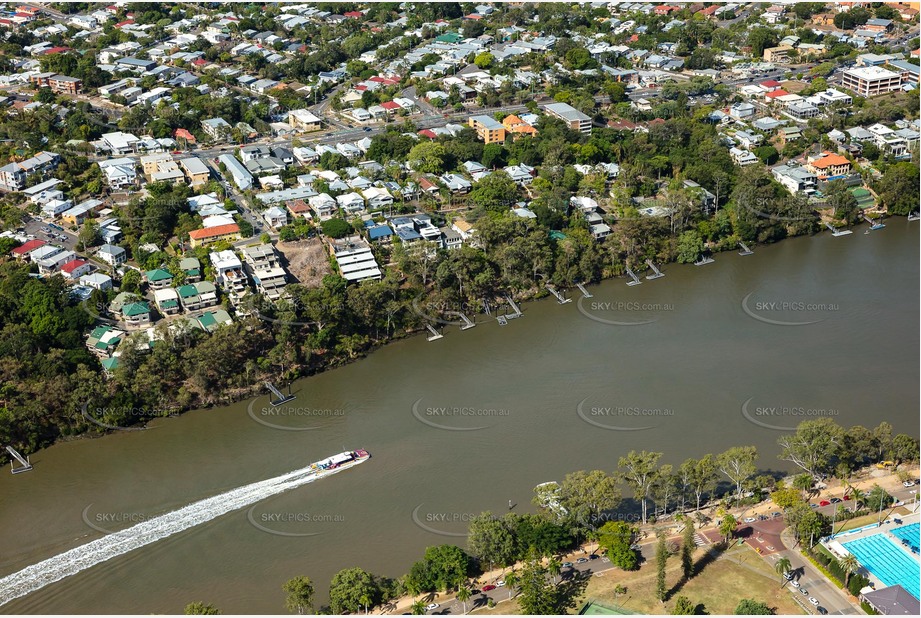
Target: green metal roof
(169,303)
(207,320)
(104,345)
(133,309)
(110,363)
(158,274)
(449,37)
(187,290)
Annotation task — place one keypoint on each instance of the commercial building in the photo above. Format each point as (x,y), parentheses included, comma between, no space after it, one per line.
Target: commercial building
(871,81)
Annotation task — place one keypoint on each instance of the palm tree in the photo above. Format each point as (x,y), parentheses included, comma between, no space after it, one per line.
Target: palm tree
(463,594)
(554,568)
(365,600)
(858,496)
(783,565)
(511,580)
(418,608)
(849,565)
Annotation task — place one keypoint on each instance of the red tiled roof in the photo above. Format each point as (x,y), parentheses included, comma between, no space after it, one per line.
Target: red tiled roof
(777,93)
(390,105)
(354,14)
(217,230)
(428,133)
(199,62)
(184,134)
(32,245)
(72,265)
(770,83)
(56,50)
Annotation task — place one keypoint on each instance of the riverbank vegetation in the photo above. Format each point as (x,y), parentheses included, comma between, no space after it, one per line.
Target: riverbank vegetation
(677,168)
(589,508)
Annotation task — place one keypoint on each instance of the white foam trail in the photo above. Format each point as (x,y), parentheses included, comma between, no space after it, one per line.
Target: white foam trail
(63,565)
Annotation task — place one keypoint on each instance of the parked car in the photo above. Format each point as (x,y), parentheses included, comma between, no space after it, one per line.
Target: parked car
(431,606)
(908,483)
(794,583)
(500,583)
(814,601)
(566,565)
(824,503)
(821,610)
(488,587)
(804,592)
(749,520)
(581,560)
(835,500)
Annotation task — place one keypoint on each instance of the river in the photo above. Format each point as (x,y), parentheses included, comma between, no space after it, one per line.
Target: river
(700,360)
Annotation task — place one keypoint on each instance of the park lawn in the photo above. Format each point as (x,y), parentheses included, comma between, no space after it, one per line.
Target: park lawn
(719,587)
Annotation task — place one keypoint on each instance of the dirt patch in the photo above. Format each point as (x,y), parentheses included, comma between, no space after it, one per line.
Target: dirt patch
(306,261)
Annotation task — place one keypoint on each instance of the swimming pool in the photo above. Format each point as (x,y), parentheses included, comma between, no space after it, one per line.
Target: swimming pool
(887,562)
(909,534)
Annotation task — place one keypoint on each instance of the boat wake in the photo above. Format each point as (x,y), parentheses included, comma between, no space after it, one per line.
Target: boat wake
(71,562)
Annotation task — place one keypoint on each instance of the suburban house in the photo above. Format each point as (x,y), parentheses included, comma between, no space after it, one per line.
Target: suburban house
(828,165)
(208,235)
(112,255)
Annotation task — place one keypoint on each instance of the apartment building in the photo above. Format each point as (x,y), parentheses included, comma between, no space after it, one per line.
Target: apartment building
(264,268)
(488,129)
(576,120)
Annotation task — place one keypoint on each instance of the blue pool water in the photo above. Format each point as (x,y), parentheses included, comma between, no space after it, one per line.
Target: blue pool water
(887,561)
(911,534)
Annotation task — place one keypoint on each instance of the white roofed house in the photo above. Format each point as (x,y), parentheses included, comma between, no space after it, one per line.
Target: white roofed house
(276,217)
(323,205)
(119,173)
(112,255)
(377,197)
(351,203)
(228,272)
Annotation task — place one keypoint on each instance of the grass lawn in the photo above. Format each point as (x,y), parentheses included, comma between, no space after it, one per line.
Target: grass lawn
(719,587)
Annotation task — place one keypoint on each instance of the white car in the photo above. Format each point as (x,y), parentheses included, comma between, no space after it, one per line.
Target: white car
(795,584)
(500,583)
(814,601)
(749,520)
(431,606)
(908,484)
